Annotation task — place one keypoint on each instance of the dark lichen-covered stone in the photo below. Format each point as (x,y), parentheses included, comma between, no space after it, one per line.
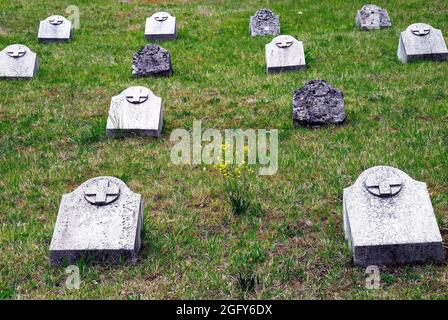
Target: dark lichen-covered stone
(264,23)
(318,103)
(372,17)
(152,60)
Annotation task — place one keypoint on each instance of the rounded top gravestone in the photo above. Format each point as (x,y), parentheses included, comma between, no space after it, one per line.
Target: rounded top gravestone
(372,17)
(264,23)
(318,103)
(151,60)
(100,220)
(18,61)
(161,26)
(54,29)
(285,53)
(135,111)
(420,41)
(389,219)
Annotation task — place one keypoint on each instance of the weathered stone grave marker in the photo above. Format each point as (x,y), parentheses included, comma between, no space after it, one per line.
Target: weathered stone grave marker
(420,41)
(18,61)
(264,23)
(318,103)
(55,29)
(285,53)
(161,26)
(152,60)
(372,17)
(135,111)
(389,219)
(101,221)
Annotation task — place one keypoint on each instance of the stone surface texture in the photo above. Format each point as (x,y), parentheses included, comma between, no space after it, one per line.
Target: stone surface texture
(100,221)
(161,26)
(420,41)
(55,29)
(372,17)
(18,61)
(389,219)
(285,53)
(318,103)
(152,60)
(135,111)
(264,23)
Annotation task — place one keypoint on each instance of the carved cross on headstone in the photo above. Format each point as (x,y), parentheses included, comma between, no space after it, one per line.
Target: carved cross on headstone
(137,95)
(283,43)
(101,192)
(161,17)
(420,30)
(55,20)
(383,186)
(16,52)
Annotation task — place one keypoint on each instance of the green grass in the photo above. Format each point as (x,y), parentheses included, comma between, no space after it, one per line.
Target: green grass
(52,138)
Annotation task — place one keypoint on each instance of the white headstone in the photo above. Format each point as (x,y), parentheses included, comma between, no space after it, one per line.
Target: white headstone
(285,53)
(160,26)
(55,29)
(420,41)
(389,219)
(18,61)
(135,111)
(101,220)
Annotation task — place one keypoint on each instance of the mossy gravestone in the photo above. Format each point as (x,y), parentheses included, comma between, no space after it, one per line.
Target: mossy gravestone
(18,61)
(389,219)
(285,53)
(161,26)
(420,41)
(372,17)
(264,23)
(152,61)
(317,103)
(135,111)
(55,29)
(100,221)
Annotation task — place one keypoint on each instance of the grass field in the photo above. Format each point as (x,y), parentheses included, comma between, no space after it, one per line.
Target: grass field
(52,139)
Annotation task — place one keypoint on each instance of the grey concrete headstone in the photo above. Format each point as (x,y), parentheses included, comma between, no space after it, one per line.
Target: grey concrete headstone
(372,17)
(317,103)
(389,219)
(285,53)
(152,61)
(135,111)
(100,221)
(18,61)
(55,29)
(264,23)
(420,41)
(161,26)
